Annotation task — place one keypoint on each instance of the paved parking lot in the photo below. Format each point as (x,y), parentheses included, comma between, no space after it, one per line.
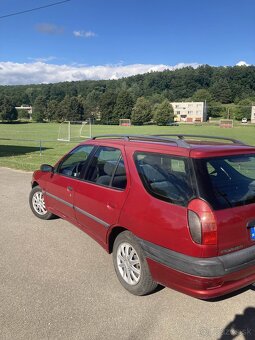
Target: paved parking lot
(57,283)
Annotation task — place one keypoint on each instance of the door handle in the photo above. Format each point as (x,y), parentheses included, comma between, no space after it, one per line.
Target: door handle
(69,188)
(110,205)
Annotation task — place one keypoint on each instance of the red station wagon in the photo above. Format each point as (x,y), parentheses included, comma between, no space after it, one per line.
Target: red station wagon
(178,210)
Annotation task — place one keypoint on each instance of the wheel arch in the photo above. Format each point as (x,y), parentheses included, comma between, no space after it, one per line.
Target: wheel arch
(114,232)
(35,184)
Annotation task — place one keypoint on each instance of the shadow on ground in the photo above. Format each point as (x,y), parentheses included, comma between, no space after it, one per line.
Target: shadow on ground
(15,150)
(232,294)
(16,122)
(243,324)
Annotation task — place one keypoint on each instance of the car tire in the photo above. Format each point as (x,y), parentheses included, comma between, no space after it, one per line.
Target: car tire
(37,204)
(131,266)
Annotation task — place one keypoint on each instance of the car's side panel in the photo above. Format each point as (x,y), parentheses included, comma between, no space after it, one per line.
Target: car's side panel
(59,192)
(97,208)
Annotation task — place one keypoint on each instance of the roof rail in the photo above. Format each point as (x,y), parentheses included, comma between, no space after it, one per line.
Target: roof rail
(150,138)
(111,136)
(183,136)
(164,138)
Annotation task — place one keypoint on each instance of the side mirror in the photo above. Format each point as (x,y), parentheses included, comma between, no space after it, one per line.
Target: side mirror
(46,168)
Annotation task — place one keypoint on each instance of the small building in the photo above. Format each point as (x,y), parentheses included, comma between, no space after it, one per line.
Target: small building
(253,114)
(190,112)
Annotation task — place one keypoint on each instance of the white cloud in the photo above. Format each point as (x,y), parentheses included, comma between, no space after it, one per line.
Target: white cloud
(242,63)
(43,59)
(84,34)
(41,72)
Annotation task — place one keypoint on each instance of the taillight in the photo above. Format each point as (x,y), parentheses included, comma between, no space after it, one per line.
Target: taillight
(202,224)
(195,226)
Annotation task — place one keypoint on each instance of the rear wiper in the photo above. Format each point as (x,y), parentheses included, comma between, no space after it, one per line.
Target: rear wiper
(225,172)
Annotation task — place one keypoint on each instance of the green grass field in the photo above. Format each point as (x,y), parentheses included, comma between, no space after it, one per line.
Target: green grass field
(21,154)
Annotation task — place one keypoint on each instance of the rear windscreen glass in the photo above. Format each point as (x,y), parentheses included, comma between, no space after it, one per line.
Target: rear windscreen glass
(227,181)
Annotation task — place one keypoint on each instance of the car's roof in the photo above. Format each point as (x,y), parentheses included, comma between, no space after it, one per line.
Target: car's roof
(196,146)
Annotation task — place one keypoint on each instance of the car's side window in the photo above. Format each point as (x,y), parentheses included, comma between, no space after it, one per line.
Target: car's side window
(75,161)
(165,177)
(107,168)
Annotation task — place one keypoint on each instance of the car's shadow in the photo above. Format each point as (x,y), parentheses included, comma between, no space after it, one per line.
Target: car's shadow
(230,295)
(217,299)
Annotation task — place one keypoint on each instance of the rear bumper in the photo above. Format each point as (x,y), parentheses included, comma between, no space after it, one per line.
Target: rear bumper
(203,278)
(200,287)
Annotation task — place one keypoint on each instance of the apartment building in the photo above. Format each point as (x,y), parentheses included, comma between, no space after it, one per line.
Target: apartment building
(253,114)
(190,112)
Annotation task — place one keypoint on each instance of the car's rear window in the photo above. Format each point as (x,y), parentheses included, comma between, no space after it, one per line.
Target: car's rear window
(165,177)
(227,181)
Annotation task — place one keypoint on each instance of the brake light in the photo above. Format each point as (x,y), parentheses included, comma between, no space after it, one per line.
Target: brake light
(202,224)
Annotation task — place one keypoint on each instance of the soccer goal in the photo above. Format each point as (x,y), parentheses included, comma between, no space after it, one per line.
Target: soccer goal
(124,122)
(74,130)
(86,129)
(226,123)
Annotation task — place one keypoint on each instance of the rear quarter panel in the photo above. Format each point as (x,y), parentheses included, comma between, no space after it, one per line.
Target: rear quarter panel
(154,220)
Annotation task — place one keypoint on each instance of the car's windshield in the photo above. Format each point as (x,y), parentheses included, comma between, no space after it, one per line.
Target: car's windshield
(227,181)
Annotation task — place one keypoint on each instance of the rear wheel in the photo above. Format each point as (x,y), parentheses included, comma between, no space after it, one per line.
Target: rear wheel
(131,266)
(37,204)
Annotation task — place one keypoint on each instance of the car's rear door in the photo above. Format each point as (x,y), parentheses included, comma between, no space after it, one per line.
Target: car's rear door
(99,199)
(60,189)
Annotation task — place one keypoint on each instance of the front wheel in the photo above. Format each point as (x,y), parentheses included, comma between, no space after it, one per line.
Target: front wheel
(37,204)
(131,266)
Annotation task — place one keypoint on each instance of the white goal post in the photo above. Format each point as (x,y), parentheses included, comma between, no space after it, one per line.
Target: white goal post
(73,130)
(125,122)
(64,131)
(86,129)
(226,123)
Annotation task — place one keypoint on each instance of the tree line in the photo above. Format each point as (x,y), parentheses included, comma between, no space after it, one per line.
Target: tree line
(228,91)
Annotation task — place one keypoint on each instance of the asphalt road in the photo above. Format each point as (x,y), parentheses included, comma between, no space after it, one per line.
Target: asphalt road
(57,283)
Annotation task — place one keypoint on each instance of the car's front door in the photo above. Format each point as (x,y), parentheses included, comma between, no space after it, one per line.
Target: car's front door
(99,199)
(60,189)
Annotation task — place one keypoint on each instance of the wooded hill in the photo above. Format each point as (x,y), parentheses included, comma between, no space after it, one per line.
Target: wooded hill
(114,99)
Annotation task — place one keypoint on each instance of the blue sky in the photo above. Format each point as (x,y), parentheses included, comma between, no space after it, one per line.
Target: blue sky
(94,39)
